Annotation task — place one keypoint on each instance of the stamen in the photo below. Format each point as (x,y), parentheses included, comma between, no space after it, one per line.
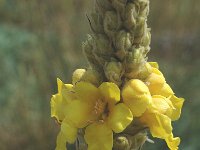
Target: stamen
(99,107)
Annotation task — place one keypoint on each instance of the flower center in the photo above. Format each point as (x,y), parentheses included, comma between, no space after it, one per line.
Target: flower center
(99,107)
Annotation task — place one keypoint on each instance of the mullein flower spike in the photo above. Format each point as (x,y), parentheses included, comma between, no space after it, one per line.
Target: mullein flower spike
(111,104)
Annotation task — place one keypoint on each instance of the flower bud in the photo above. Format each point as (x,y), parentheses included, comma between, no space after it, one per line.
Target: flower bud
(114,71)
(96,23)
(88,75)
(98,50)
(103,50)
(121,143)
(88,48)
(135,62)
(140,29)
(102,6)
(138,54)
(77,75)
(131,14)
(103,46)
(146,39)
(111,23)
(119,5)
(138,140)
(136,96)
(123,41)
(143,7)
(145,71)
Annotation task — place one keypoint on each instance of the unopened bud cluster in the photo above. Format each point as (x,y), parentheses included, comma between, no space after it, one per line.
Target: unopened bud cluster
(120,40)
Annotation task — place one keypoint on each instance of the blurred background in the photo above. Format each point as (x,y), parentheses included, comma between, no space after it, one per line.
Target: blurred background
(41,40)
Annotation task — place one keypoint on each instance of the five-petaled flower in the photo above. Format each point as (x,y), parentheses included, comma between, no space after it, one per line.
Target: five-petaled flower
(99,110)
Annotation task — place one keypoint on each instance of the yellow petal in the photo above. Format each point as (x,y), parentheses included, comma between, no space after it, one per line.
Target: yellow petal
(69,131)
(60,101)
(58,107)
(159,124)
(172,142)
(154,64)
(155,81)
(165,90)
(110,92)
(87,92)
(68,134)
(161,105)
(79,113)
(119,117)
(177,103)
(61,142)
(60,84)
(68,87)
(66,90)
(99,136)
(136,96)
(68,96)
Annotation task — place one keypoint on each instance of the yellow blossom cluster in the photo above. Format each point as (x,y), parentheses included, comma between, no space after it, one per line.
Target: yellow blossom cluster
(102,108)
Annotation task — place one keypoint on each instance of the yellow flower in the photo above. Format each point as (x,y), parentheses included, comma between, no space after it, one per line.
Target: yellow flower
(158,118)
(136,96)
(165,107)
(156,82)
(97,109)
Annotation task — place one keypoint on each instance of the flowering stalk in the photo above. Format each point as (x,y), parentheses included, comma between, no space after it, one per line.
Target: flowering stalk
(120,96)
(117,49)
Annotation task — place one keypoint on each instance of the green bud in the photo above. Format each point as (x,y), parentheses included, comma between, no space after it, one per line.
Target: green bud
(102,6)
(77,75)
(111,23)
(144,71)
(103,50)
(103,45)
(88,75)
(114,72)
(143,6)
(93,77)
(130,16)
(98,50)
(138,54)
(146,39)
(121,143)
(123,41)
(119,5)
(140,29)
(135,61)
(88,49)
(96,23)
(138,140)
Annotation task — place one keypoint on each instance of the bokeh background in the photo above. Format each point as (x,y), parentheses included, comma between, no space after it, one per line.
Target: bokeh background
(40,40)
